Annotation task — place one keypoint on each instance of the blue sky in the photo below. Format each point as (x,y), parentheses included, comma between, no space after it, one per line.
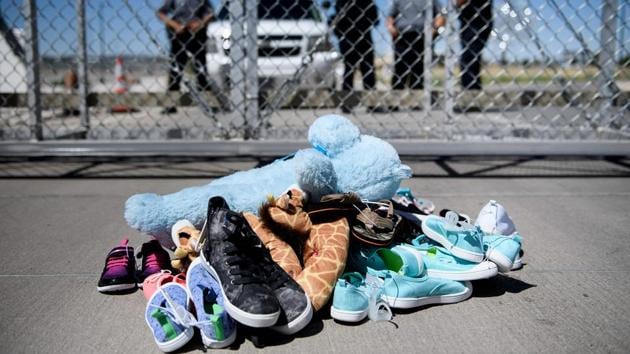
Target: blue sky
(114,29)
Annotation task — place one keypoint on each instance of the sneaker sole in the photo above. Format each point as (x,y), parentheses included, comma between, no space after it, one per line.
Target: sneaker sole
(455,251)
(249,319)
(496,257)
(518,263)
(407,303)
(116,288)
(348,316)
(483,270)
(299,323)
(218,344)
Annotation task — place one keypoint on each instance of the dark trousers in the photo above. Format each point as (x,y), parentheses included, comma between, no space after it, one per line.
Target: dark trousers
(409,61)
(358,54)
(473,39)
(183,45)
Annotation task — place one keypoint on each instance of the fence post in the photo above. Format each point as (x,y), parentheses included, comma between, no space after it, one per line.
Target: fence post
(252,116)
(237,68)
(33,81)
(428,56)
(82,66)
(606,58)
(449,72)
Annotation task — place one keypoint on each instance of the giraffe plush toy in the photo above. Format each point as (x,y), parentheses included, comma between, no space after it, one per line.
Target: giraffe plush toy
(340,160)
(311,250)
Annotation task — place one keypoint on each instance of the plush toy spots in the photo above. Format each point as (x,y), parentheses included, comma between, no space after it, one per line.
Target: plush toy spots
(313,253)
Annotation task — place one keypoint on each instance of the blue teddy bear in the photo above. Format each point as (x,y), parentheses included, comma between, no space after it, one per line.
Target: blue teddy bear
(341,160)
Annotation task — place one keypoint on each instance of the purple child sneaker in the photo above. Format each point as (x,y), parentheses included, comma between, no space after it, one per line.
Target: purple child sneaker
(119,272)
(154,260)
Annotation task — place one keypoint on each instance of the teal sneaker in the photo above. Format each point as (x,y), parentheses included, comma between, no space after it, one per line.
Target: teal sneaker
(441,264)
(462,242)
(493,219)
(350,298)
(353,300)
(358,256)
(424,205)
(405,284)
(502,250)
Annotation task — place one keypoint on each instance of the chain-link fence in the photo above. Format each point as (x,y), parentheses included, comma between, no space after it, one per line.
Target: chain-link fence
(457,70)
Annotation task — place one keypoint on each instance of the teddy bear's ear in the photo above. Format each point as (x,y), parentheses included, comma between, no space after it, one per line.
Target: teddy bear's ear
(314,173)
(332,134)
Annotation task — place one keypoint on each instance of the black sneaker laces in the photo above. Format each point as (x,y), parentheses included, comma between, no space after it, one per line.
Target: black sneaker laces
(241,268)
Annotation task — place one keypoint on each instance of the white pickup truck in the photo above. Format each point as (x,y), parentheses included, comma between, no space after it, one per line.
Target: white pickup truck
(287,30)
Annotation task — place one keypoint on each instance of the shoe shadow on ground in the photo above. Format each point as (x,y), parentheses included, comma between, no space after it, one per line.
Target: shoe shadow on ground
(264,337)
(499,285)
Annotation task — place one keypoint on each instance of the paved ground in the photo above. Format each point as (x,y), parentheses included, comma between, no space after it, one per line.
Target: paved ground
(572,295)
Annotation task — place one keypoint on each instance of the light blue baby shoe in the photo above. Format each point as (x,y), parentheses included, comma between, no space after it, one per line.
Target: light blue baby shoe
(442,264)
(502,250)
(405,283)
(217,328)
(350,298)
(462,242)
(353,300)
(167,316)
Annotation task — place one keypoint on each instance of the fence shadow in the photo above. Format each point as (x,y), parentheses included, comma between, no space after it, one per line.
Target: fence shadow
(209,168)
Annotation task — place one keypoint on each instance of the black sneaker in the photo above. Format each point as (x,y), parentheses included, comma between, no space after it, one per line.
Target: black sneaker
(227,255)
(119,272)
(295,305)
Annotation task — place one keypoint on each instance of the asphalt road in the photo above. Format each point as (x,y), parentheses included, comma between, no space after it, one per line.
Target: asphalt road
(571,296)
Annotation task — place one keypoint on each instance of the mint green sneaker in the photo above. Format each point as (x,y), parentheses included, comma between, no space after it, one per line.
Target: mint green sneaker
(354,300)
(401,276)
(442,264)
(462,242)
(350,298)
(502,250)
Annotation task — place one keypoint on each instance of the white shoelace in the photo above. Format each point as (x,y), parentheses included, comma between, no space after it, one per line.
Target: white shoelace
(178,313)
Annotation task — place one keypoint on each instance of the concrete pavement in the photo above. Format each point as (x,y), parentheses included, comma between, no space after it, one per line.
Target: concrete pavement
(572,294)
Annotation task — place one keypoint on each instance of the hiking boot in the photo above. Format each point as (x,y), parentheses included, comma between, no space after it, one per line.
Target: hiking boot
(296,310)
(119,271)
(154,260)
(227,254)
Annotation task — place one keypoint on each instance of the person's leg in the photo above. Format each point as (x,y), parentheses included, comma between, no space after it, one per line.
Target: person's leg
(178,59)
(197,47)
(417,66)
(349,63)
(399,64)
(366,52)
(473,40)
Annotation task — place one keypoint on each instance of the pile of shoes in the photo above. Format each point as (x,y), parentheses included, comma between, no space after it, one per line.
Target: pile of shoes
(232,279)
(433,262)
(397,255)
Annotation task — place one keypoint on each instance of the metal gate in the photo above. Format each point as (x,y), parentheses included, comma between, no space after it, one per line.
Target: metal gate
(96,73)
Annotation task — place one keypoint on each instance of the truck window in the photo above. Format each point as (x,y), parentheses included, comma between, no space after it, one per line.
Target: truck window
(280,10)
